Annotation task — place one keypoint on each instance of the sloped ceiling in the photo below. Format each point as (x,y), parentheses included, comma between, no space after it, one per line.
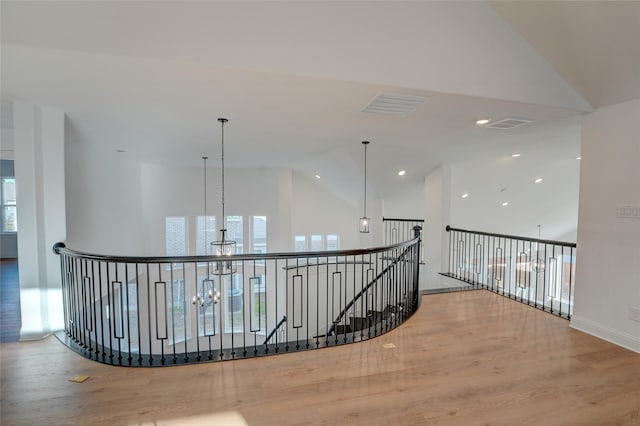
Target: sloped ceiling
(293,77)
(592,44)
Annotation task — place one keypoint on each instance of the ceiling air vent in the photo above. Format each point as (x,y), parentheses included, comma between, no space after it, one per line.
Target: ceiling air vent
(387,103)
(507,123)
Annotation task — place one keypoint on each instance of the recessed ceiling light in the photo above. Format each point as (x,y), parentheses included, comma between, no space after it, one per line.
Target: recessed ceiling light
(483,121)
(578,158)
(317,176)
(515,155)
(401,173)
(465,195)
(120,150)
(505,204)
(538,180)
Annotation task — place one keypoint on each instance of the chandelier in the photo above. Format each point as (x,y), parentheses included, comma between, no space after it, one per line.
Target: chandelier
(224,246)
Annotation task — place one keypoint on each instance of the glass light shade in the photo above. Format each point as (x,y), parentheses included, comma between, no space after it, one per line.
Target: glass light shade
(364,225)
(224,247)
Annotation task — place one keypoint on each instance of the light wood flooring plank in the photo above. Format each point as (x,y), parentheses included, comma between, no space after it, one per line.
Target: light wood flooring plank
(467,358)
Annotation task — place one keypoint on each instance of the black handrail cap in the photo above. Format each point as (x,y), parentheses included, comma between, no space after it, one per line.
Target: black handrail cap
(57,246)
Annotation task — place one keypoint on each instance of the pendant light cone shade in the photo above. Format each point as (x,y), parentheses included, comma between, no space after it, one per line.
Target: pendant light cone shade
(224,246)
(364,220)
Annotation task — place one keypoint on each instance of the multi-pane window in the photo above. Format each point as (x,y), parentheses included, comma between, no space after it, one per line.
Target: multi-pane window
(300,243)
(235,232)
(259,234)
(333,242)
(131,301)
(316,243)
(206,234)
(9,206)
(176,236)
(234,304)
(176,311)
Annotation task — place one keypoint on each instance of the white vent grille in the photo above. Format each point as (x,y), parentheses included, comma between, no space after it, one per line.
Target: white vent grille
(507,123)
(393,104)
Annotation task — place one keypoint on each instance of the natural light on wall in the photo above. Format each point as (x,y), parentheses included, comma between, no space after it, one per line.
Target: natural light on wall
(42,312)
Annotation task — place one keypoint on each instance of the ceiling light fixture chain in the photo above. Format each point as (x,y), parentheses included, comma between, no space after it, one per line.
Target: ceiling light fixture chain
(223,247)
(364,220)
(224,220)
(204,160)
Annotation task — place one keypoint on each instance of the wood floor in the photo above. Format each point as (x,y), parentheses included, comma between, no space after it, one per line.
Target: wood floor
(9,301)
(465,358)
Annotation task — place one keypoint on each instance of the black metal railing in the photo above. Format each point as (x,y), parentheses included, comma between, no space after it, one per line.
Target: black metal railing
(153,311)
(275,330)
(537,272)
(396,230)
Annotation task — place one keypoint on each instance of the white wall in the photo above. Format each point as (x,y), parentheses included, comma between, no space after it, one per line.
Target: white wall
(407,204)
(314,210)
(552,203)
(437,193)
(178,191)
(103,200)
(40,181)
(608,254)
(117,205)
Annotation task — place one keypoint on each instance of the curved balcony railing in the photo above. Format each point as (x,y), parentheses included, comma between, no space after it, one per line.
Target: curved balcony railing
(155,311)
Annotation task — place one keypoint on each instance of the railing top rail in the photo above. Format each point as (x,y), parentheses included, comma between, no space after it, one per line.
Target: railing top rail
(402,220)
(60,248)
(513,237)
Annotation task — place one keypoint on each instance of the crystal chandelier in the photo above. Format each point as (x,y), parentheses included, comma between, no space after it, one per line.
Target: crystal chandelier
(364,220)
(224,246)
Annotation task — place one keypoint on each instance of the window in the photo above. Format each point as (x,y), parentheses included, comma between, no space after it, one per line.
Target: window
(206,234)
(333,242)
(235,232)
(316,243)
(176,314)
(259,234)
(9,208)
(132,316)
(234,304)
(176,236)
(300,243)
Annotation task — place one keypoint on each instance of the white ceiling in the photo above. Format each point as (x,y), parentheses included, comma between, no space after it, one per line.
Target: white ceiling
(152,77)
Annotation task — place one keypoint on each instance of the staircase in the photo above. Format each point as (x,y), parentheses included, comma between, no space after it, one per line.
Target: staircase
(371,320)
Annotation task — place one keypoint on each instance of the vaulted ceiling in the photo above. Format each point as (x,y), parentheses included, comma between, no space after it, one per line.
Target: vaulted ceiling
(293,78)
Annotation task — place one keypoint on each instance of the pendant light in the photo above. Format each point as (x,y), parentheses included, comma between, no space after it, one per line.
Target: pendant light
(364,220)
(209,293)
(224,246)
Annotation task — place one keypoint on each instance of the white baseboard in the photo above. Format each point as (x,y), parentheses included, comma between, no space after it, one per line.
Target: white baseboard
(609,334)
(32,335)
